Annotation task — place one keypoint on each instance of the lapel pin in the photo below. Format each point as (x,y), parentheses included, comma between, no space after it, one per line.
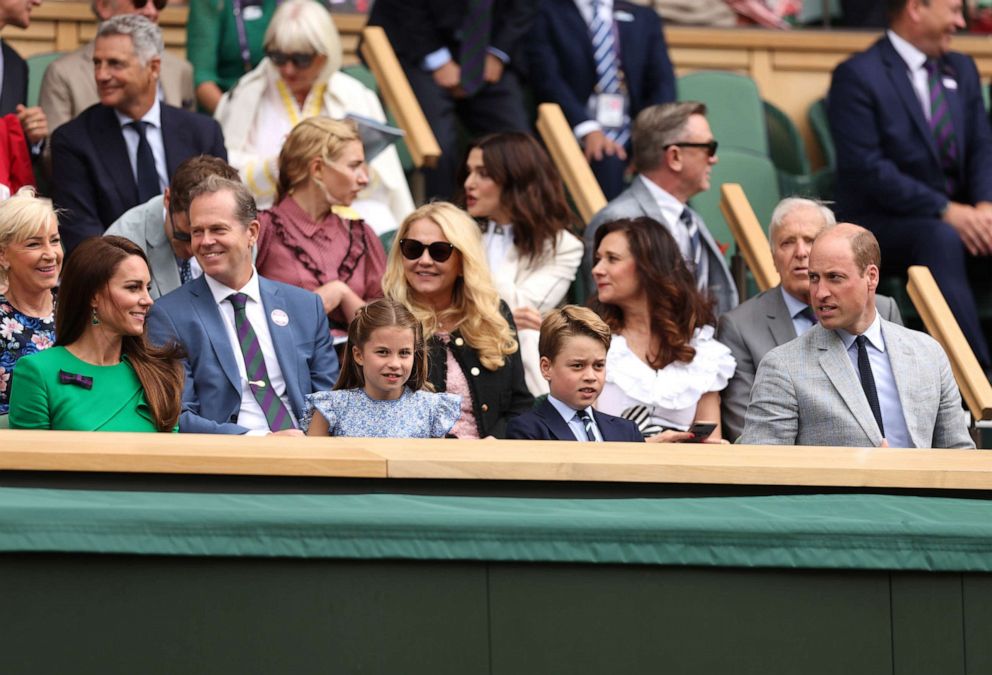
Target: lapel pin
(279,317)
(256,383)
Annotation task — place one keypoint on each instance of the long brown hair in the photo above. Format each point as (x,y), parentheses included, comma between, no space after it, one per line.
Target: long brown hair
(383,313)
(531,191)
(675,306)
(87,272)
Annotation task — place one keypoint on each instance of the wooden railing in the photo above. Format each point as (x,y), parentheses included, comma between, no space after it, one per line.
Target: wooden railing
(941,324)
(399,97)
(569,160)
(749,235)
(493,460)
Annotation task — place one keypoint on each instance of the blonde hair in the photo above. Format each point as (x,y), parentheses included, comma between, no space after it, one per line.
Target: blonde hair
(474,301)
(305,26)
(23,216)
(313,137)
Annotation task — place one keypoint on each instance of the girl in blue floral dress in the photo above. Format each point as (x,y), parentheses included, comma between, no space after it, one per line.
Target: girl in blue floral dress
(381,390)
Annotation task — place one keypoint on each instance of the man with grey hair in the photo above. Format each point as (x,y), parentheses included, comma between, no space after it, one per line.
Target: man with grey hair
(674,151)
(122,151)
(255,348)
(782,313)
(68,88)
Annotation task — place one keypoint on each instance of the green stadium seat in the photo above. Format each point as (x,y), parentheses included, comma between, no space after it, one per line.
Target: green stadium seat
(733,108)
(788,153)
(36,71)
(387,240)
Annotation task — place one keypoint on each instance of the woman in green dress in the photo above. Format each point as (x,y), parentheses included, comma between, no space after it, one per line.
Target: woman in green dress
(102,374)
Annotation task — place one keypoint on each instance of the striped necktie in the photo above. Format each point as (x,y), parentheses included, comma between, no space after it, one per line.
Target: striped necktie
(695,239)
(941,125)
(475,43)
(587,424)
(258,375)
(608,75)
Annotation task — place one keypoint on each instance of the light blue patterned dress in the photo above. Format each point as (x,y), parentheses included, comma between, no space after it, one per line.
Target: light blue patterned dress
(415,414)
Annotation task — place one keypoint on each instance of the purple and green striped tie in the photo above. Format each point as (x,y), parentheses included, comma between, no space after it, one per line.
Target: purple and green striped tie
(475,44)
(258,375)
(941,125)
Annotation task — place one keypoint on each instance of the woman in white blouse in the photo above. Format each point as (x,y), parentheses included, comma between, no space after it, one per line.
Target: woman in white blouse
(300,78)
(513,188)
(664,368)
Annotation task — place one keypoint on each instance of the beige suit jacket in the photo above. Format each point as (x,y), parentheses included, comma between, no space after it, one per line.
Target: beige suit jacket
(69,86)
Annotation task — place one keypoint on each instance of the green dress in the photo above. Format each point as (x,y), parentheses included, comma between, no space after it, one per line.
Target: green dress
(212,42)
(39,399)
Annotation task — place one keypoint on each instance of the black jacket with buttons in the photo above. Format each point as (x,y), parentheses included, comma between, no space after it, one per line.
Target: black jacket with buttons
(497,395)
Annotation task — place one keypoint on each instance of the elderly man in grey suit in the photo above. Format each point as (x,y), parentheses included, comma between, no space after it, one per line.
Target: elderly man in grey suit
(854,379)
(160,226)
(674,152)
(777,315)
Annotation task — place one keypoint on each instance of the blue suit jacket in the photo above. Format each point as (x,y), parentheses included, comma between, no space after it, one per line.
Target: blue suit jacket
(15,80)
(91,174)
(887,161)
(544,423)
(563,69)
(212,397)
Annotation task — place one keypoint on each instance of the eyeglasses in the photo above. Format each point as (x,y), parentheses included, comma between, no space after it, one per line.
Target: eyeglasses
(179,235)
(159,4)
(298,59)
(439,251)
(709,147)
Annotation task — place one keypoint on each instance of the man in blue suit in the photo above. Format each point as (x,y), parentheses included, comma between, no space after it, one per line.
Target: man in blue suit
(563,66)
(122,152)
(255,348)
(914,152)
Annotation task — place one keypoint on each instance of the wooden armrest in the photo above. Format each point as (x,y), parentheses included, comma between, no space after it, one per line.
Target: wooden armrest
(749,234)
(570,161)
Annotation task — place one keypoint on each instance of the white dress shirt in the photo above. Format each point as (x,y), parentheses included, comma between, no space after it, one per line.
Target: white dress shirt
(153,132)
(896,431)
(671,208)
(916,70)
(251,415)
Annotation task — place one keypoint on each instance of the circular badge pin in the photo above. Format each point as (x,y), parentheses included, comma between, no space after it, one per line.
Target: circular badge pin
(279,317)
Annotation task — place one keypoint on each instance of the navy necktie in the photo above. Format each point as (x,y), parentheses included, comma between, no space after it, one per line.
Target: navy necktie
(868,382)
(587,424)
(148,185)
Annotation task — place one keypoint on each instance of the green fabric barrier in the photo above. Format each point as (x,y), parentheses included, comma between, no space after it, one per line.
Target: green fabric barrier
(805,531)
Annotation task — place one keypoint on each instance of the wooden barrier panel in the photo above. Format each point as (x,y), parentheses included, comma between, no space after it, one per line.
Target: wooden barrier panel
(942,325)
(568,158)
(749,235)
(398,94)
(400,459)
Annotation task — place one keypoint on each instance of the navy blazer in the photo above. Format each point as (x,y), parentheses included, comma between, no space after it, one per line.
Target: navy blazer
(544,423)
(212,396)
(563,69)
(91,174)
(887,160)
(15,80)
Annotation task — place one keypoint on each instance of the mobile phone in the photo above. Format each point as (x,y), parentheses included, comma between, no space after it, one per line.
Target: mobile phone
(701,431)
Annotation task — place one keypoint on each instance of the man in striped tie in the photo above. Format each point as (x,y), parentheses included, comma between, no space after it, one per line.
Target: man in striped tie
(255,348)
(914,154)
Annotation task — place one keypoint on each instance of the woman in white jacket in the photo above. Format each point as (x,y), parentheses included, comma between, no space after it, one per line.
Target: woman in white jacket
(299,78)
(513,188)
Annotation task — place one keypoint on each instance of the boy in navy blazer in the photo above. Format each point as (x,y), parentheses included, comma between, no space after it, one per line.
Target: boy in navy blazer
(573,346)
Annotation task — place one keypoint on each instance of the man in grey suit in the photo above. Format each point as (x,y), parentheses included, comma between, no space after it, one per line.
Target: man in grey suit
(854,379)
(674,151)
(160,226)
(779,314)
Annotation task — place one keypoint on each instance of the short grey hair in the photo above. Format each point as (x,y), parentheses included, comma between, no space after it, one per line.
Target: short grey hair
(790,204)
(145,35)
(658,126)
(245,209)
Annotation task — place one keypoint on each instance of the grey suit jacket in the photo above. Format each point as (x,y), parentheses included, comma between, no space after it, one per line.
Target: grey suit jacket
(69,87)
(807,392)
(145,226)
(637,201)
(751,330)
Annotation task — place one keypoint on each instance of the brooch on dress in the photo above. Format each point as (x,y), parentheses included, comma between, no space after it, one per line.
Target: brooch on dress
(79,380)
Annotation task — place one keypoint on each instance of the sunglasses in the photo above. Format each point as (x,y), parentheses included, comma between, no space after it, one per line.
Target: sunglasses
(298,59)
(184,237)
(159,4)
(709,147)
(439,251)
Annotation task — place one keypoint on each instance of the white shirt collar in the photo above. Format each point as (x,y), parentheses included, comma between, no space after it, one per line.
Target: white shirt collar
(221,292)
(913,57)
(873,333)
(671,208)
(494,228)
(153,116)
